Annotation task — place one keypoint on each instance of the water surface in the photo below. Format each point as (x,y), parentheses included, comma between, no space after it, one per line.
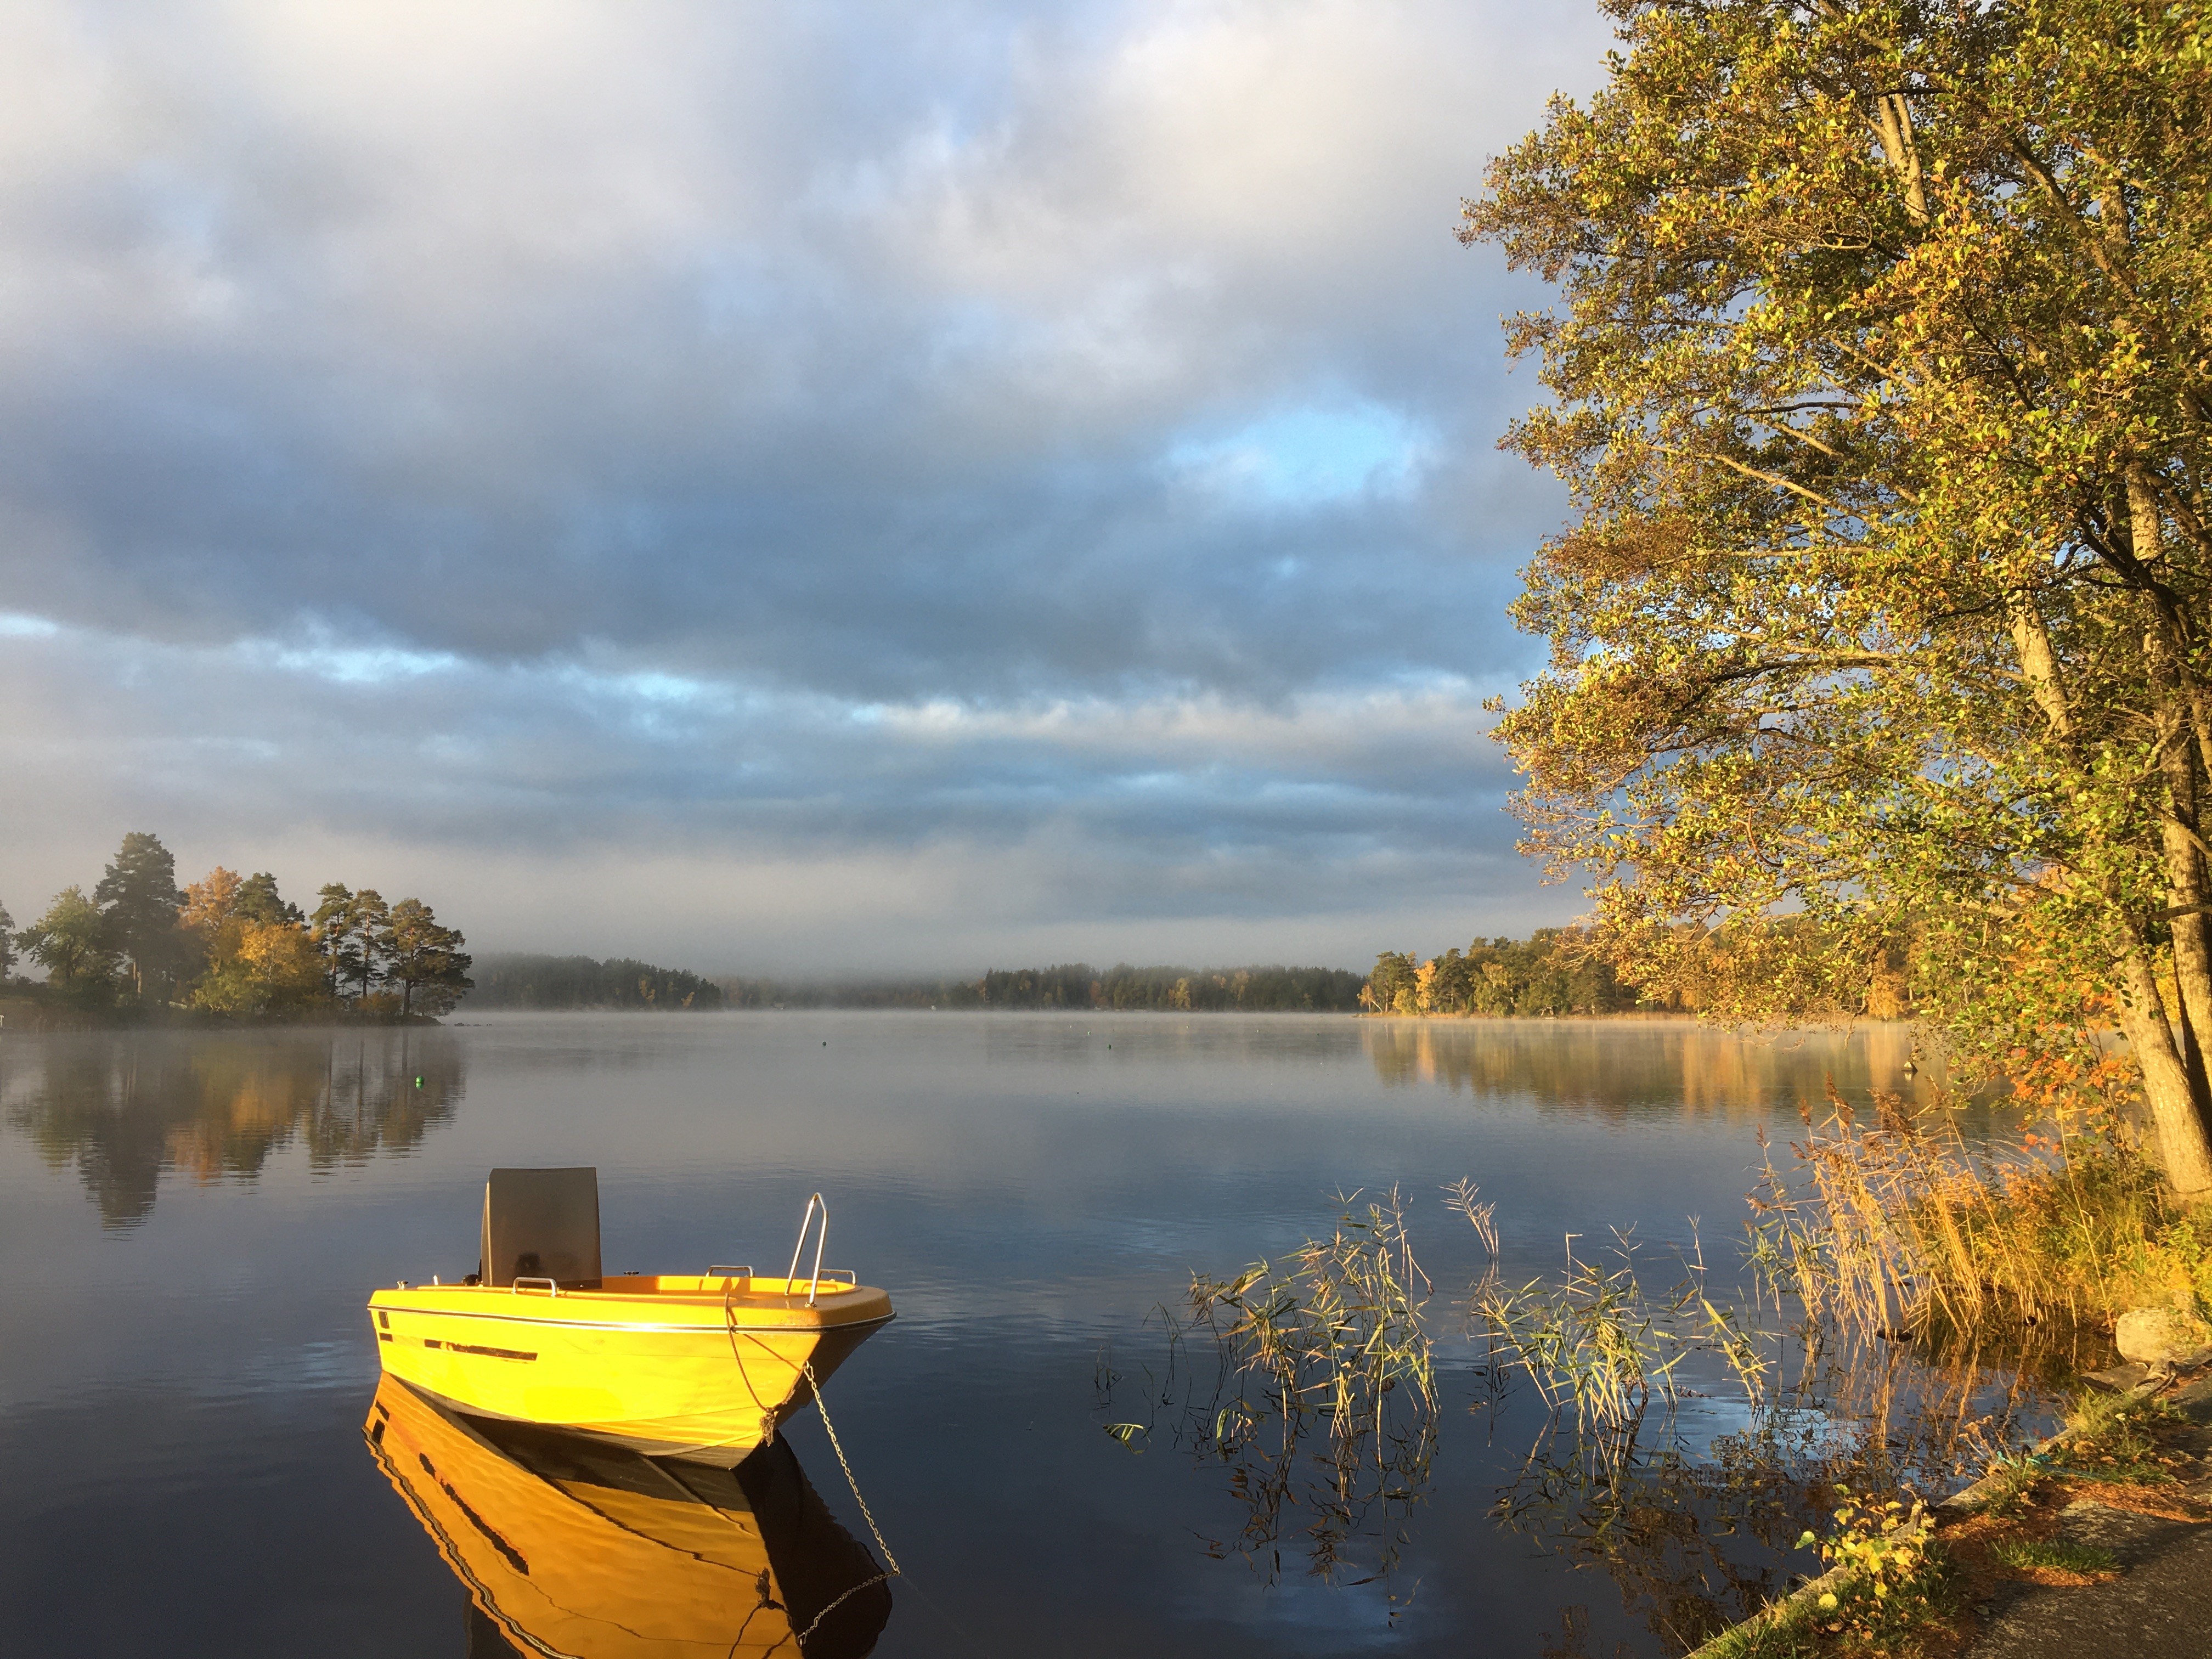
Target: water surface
(191,1222)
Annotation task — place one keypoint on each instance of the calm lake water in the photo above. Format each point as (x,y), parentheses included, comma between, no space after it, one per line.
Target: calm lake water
(191,1222)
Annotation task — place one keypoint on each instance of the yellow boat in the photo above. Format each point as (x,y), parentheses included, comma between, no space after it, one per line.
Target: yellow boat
(570,1546)
(697,1366)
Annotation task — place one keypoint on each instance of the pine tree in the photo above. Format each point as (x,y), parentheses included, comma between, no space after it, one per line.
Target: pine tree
(139,897)
(424,959)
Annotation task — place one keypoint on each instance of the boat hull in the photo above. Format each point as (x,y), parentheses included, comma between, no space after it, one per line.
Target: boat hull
(685,1367)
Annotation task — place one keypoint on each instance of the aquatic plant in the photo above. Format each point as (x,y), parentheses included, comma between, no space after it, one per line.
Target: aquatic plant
(1335,1328)
(1596,1340)
(1313,1379)
(1481,1215)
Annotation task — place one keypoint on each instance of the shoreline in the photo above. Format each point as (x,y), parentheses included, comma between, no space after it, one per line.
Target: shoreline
(38,1014)
(1996,1621)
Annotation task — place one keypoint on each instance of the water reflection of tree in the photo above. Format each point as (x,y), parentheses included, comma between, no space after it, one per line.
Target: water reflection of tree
(126,1110)
(1618,1068)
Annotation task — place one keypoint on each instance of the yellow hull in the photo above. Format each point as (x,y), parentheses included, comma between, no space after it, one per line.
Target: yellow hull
(672,1366)
(568,1547)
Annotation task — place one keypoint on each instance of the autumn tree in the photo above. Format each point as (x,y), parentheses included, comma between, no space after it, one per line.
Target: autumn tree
(424,959)
(1879,380)
(1390,988)
(259,955)
(71,942)
(139,897)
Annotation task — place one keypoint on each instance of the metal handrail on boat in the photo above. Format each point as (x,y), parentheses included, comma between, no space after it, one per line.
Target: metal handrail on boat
(723,1270)
(821,1244)
(514,1287)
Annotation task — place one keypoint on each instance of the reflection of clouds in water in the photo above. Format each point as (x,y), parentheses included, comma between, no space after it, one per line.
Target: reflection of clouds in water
(1695,1514)
(1696,1423)
(1617,1067)
(126,1109)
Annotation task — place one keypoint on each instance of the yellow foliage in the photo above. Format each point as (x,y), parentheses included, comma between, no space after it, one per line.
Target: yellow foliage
(1424,987)
(209,901)
(252,967)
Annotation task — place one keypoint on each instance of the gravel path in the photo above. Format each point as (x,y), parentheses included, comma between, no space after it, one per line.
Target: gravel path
(2160,1607)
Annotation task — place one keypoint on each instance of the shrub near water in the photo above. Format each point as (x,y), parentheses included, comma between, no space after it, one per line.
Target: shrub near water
(1892,1565)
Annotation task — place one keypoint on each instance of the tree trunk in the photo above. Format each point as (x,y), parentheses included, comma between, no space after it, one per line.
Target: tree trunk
(2181,822)
(2184,1142)
(2038,666)
(2172,1084)
(1894,126)
(2186,885)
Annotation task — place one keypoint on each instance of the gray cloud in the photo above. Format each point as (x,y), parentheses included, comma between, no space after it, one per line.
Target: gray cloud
(1022,477)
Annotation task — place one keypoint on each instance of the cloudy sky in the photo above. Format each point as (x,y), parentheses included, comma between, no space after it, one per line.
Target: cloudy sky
(805,488)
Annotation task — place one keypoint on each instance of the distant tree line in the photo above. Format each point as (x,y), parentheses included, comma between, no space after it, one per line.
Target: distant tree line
(520,980)
(232,944)
(1076,985)
(1267,989)
(1793,969)
(1552,972)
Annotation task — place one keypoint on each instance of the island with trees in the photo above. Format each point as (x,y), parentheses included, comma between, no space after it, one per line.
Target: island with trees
(230,947)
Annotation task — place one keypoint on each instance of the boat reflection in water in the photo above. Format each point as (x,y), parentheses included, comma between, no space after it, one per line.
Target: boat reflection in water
(573,1546)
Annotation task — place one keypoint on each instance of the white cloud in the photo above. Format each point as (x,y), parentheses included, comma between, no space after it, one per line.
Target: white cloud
(829,439)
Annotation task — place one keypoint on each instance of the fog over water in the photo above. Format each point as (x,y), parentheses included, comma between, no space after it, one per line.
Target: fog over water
(842,489)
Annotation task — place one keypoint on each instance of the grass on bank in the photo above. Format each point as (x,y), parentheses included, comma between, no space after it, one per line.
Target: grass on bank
(2054,1555)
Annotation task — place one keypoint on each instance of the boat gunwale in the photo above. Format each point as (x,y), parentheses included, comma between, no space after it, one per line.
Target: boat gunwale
(702,1328)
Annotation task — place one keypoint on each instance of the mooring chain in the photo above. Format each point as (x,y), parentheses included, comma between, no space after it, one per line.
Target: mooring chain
(822,1405)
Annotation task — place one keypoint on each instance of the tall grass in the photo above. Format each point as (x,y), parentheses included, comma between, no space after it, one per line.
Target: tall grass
(1333,1330)
(1897,1229)
(1908,1301)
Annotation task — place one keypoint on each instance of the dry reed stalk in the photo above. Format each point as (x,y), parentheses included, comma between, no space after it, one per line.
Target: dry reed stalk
(1482,1216)
(1893,1230)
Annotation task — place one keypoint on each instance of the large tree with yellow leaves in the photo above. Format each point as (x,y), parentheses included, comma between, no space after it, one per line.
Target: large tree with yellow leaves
(1881,378)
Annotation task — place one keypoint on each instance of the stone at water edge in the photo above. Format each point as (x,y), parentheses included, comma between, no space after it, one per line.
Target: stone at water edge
(2148,1335)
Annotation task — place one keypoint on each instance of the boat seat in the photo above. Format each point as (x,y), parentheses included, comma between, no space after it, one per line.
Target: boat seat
(542,1223)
